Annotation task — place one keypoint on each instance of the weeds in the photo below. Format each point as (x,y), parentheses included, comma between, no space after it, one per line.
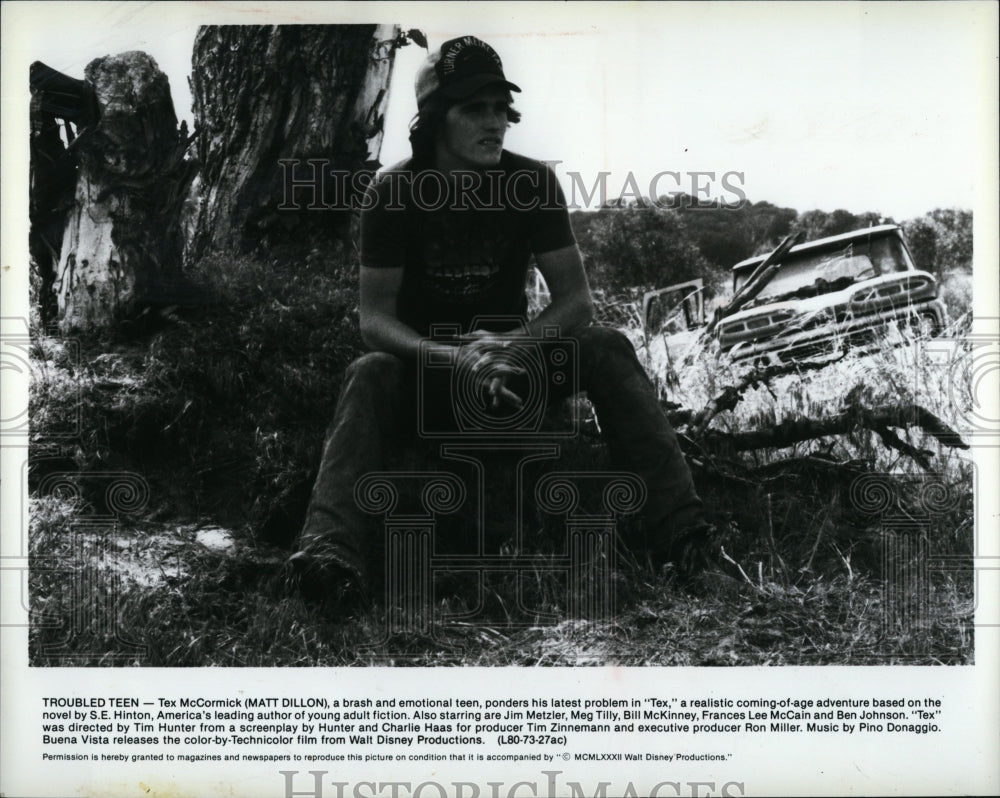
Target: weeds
(221,409)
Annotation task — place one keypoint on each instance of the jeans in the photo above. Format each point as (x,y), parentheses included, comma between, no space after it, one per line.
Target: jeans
(378,407)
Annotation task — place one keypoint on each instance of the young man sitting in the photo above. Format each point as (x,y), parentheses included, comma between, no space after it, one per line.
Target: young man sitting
(447,238)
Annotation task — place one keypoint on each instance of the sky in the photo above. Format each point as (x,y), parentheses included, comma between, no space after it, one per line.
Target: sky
(870,107)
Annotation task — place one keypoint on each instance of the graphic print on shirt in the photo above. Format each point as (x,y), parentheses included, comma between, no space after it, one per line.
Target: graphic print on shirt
(463,255)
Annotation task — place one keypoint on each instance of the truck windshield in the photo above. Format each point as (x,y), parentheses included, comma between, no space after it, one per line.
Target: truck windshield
(818,272)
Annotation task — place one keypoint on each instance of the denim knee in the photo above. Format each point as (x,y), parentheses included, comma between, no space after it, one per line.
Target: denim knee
(603,348)
(378,369)
(604,339)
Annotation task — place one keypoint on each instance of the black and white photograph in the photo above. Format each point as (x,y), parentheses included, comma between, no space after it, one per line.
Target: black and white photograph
(639,362)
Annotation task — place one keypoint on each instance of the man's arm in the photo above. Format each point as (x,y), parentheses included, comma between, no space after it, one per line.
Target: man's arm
(571,305)
(381,328)
(383,331)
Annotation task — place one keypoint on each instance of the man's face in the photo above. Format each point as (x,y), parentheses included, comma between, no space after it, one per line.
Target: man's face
(473,130)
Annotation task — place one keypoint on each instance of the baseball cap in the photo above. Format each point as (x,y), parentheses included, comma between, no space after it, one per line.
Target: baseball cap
(460,67)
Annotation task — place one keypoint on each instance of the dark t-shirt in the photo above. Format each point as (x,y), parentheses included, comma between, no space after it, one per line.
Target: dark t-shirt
(464,245)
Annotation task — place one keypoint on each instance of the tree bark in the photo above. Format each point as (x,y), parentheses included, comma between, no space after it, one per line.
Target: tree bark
(122,244)
(267,99)
(61,107)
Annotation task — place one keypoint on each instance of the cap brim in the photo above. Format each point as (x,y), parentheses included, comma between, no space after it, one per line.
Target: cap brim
(470,85)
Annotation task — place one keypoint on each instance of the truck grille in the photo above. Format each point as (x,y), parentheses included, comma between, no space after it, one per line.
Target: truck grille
(764,325)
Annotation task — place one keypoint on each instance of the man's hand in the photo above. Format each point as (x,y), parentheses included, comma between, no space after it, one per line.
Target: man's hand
(486,358)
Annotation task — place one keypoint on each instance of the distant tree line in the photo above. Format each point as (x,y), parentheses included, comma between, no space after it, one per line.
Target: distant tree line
(644,244)
(941,241)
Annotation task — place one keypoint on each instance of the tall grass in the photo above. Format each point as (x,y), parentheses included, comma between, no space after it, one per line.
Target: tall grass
(222,408)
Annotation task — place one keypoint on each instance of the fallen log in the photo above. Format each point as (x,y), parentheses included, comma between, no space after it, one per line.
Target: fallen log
(878,419)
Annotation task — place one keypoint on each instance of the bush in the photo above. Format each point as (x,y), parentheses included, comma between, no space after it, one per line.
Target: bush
(222,406)
(637,247)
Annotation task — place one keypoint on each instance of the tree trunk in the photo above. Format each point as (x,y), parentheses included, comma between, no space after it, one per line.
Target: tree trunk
(122,244)
(61,107)
(267,99)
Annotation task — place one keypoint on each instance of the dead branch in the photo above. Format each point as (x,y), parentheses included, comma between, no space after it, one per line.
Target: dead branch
(878,420)
(731,394)
(756,282)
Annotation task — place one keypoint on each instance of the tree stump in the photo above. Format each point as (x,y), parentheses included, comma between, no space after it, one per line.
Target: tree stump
(267,100)
(122,245)
(60,108)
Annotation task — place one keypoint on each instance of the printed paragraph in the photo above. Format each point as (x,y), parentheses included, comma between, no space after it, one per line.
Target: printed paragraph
(343,727)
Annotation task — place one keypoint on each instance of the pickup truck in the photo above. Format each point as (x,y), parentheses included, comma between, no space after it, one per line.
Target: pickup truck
(820,297)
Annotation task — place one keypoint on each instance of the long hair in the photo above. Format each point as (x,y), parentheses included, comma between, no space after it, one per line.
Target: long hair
(425,126)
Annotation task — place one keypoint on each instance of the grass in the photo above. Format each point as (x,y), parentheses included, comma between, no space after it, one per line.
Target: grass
(220,409)
(233,395)
(235,609)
